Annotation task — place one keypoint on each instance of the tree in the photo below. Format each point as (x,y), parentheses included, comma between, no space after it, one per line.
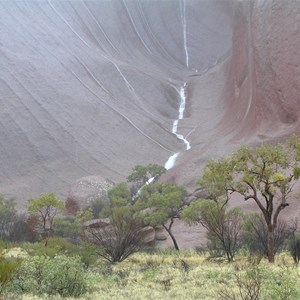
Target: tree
(7,216)
(46,207)
(123,235)
(121,238)
(164,202)
(255,234)
(223,225)
(119,195)
(145,174)
(265,175)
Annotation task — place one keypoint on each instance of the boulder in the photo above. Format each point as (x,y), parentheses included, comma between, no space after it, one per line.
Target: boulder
(97,223)
(87,189)
(159,236)
(148,234)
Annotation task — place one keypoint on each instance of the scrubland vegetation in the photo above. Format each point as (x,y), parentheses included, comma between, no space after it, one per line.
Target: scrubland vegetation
(157,275)
(55,251)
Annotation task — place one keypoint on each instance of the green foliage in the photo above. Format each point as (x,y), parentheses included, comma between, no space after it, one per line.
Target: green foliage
(8,269)
(280,285)
(51,247)
(121,238)
(7,216)
(217,177)
(223,225)
(3,245)
(255,235)
(60,275)
(245,285)
(141,174)
(265,174)
(163,275)
(57,246)
(159,202)
(46,206)
(119,195)
(100,208)
(67,227)
(294,247)
(167,200)
(49,200)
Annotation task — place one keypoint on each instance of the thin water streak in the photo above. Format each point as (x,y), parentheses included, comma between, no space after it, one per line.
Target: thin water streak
(172,159)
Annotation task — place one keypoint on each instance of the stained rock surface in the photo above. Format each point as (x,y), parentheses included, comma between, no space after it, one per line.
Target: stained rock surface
(93,87)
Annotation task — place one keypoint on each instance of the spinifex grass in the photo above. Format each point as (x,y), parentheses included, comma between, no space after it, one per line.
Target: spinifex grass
(188,275)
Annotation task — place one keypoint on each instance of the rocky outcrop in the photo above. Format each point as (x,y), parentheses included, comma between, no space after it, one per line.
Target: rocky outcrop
(265,71)
(87,189)
(97,223)
(251,96)
(93,87)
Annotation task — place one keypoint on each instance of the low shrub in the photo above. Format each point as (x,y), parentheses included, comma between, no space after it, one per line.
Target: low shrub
(8,269)
(58,245)
(60,275)
(67,227)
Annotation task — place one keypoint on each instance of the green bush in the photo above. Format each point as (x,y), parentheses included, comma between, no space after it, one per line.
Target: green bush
(60,275)
(58,245)
(3,245)
(281,284)
(100,208)
(51,247)
(67,227)
(8,269)
(294,247)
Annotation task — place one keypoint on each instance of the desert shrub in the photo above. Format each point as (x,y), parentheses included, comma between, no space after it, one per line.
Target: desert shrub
(58,245)
(294,242)
(8,269)
(7,216)
(67,227)
(255,235)
(51,247)
(295,248)
(245,285)
(32,224)
(60,275)
(280,285)
(223,225)
(21,230)
(100,208)
(71,206)
(3,245)
(120,239)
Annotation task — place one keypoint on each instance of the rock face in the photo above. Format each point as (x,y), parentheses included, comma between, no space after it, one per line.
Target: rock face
(251,97)
(88,189)
(93,87)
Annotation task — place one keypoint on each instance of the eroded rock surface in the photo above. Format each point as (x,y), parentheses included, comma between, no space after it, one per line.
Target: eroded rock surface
(93,87)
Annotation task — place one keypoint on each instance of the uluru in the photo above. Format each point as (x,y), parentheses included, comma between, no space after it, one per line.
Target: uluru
(94,88)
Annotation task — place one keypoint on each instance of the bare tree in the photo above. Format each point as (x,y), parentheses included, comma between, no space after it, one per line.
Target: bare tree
(223,226)
(255,234)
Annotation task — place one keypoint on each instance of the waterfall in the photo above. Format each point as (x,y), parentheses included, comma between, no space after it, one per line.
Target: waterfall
(184,34)
(172,159)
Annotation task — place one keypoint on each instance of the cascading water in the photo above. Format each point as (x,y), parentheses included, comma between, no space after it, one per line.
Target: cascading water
(172,159)
(184,34)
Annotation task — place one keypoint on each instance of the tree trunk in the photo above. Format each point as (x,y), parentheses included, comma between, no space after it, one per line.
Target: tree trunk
(172,237)
(271,255)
